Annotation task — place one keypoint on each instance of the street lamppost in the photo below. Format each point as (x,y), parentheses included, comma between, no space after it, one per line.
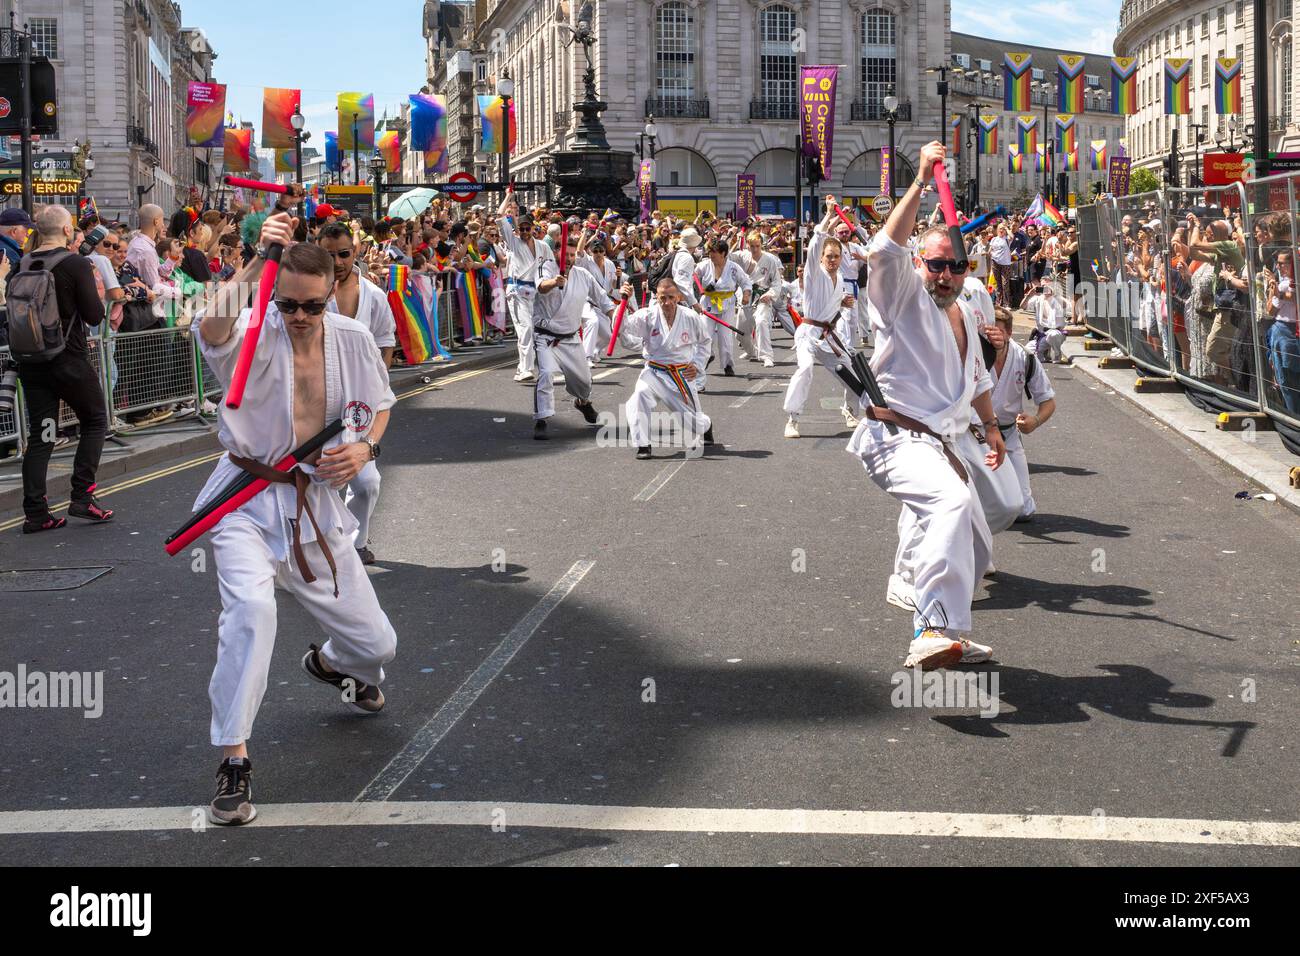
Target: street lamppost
(651,132)
(974,140)
(1232,132)
(356,152)
(505,90)
(943,99)
(297,121)
(377,178)
(891,117)
(1046,89)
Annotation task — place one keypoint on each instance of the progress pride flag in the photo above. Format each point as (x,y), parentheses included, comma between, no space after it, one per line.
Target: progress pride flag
(817,111)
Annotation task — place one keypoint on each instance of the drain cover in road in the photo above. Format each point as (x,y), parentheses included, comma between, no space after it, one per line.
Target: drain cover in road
(49,579)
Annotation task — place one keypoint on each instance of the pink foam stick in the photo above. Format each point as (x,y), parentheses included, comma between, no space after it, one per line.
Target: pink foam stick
(618,324)
(237,183)
(949,208)
(248,348)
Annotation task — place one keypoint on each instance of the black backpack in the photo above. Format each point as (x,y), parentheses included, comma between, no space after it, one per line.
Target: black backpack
(991,356)
(35,327)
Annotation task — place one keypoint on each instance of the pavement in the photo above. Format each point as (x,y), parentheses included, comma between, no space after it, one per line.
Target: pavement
(607,661)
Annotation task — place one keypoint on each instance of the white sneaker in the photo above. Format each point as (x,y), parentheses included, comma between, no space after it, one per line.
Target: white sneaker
(849,418)
(768,363)
(591,363)
(900,593)
(792,429)
(525,377)
(973,653)
(743,355)
(931,650)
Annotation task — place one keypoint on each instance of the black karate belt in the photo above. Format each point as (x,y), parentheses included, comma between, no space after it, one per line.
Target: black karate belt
(300,480)
(557,336)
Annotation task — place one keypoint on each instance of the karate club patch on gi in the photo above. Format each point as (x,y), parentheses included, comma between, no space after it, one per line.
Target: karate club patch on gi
(357,416)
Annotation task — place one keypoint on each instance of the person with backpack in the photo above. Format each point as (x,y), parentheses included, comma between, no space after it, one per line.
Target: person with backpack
(1017,375)
(53,298)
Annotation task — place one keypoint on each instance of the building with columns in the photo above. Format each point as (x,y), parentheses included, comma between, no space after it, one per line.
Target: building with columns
(720,78)
(1203,30)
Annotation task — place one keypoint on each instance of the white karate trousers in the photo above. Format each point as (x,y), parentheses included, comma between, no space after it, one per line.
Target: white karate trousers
(1049,345)
(360,639)
(759,323)
(596,331)
(941,521)
(564,356)
(1016,458)
(521,316)
(810,350)
(724,340)
(687,417)
(361,496)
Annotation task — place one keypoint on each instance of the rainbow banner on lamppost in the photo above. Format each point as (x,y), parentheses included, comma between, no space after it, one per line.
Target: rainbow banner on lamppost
(205,105)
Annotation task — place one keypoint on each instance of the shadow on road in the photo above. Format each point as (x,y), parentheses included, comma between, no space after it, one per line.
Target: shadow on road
(1045,525)
(1070,470)
(1126,691)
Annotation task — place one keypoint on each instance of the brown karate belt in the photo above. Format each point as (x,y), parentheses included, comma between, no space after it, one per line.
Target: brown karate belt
(828,335)
(878,414)
(300,480)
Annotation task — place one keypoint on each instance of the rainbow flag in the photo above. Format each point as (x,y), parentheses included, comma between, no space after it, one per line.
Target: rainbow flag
(278,107)
(1027,134)
(1227,85)
(1071,161)
(1051,216)
(1015,159)
(1070,83)
(435,162)
(470,302)
(1016,76)
(362,107)
(390,147)
(1097,155)
(1066,133)
(238,150)
(205,104)
(490,109)
(428,122)
(955,122)
(989,135)
(1040,157)
(419,340)
(1124,85)
(1178,86)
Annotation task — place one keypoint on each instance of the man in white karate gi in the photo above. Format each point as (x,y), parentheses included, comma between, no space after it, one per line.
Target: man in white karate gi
(525,255)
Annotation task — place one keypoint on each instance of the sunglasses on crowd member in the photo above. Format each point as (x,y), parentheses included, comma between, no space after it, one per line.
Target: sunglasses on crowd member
(291,306)
(340,253)
(937,266)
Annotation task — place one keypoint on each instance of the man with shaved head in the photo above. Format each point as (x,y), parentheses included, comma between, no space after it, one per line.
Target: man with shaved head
(142,252)
(65,376)
(928,364)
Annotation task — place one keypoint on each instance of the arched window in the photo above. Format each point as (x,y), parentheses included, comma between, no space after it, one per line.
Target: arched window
(879,66)
(1285,88)
(776,63)
(675,52)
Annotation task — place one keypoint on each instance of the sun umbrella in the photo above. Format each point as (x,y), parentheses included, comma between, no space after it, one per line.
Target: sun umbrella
(410,204)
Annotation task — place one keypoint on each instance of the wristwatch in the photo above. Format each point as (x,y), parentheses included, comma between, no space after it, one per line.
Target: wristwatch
(374,449)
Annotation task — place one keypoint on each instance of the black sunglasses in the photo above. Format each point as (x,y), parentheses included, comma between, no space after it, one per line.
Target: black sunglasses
(340,253)
(937,266)
(290,306)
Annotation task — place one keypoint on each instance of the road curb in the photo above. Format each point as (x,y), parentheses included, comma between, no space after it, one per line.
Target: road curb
(1254,464)
(187,444)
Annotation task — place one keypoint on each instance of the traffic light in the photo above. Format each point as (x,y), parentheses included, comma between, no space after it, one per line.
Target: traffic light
(812,170)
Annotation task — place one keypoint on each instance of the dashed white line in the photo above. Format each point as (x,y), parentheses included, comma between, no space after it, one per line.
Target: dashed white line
(565,816)
(427,737)
(754,390)
(661,479)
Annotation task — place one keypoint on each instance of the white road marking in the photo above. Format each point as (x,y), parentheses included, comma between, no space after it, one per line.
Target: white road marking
(661,479)
(427,737)
(565,816)
(754,390)
(607,374)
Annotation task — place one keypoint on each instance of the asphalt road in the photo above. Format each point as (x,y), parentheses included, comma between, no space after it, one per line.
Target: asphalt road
(1144,628)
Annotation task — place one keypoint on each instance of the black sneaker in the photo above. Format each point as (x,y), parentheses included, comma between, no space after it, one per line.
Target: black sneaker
(643,453)
(89,509)
(588,411)
(233,804)
(708,437)
(729,372)
(366,555)
(539,429)
(364,696)
(45,523)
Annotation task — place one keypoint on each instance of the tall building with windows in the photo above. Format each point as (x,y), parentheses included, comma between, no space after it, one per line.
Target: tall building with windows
(1203,30)
(122,69)
(720,79)
(975,87)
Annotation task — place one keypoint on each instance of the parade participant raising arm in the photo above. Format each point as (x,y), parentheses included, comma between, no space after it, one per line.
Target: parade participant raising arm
(592,255)
(526,255)
(311,367)
(816,340)
(926,363)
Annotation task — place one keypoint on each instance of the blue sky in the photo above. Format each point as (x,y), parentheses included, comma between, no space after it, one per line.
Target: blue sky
(328,46)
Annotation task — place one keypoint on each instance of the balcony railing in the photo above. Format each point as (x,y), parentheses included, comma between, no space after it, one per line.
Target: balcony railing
(135,135)
(875,112)
(676,108)
(773,109)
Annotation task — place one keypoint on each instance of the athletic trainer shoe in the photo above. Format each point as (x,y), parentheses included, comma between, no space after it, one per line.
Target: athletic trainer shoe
(768,363)
(365,696)
(539,429)
(366,555)
(708,437)
(525,378)
(900,593)
(729,372)
(233,803)
(588,411)
(850,419)
(643,453)
(931,650)
(792,429)
(973,653)
(89,509)
(46,522)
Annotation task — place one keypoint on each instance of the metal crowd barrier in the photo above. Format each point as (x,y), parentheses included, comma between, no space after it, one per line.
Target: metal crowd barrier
(12,422)
(1224,329)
